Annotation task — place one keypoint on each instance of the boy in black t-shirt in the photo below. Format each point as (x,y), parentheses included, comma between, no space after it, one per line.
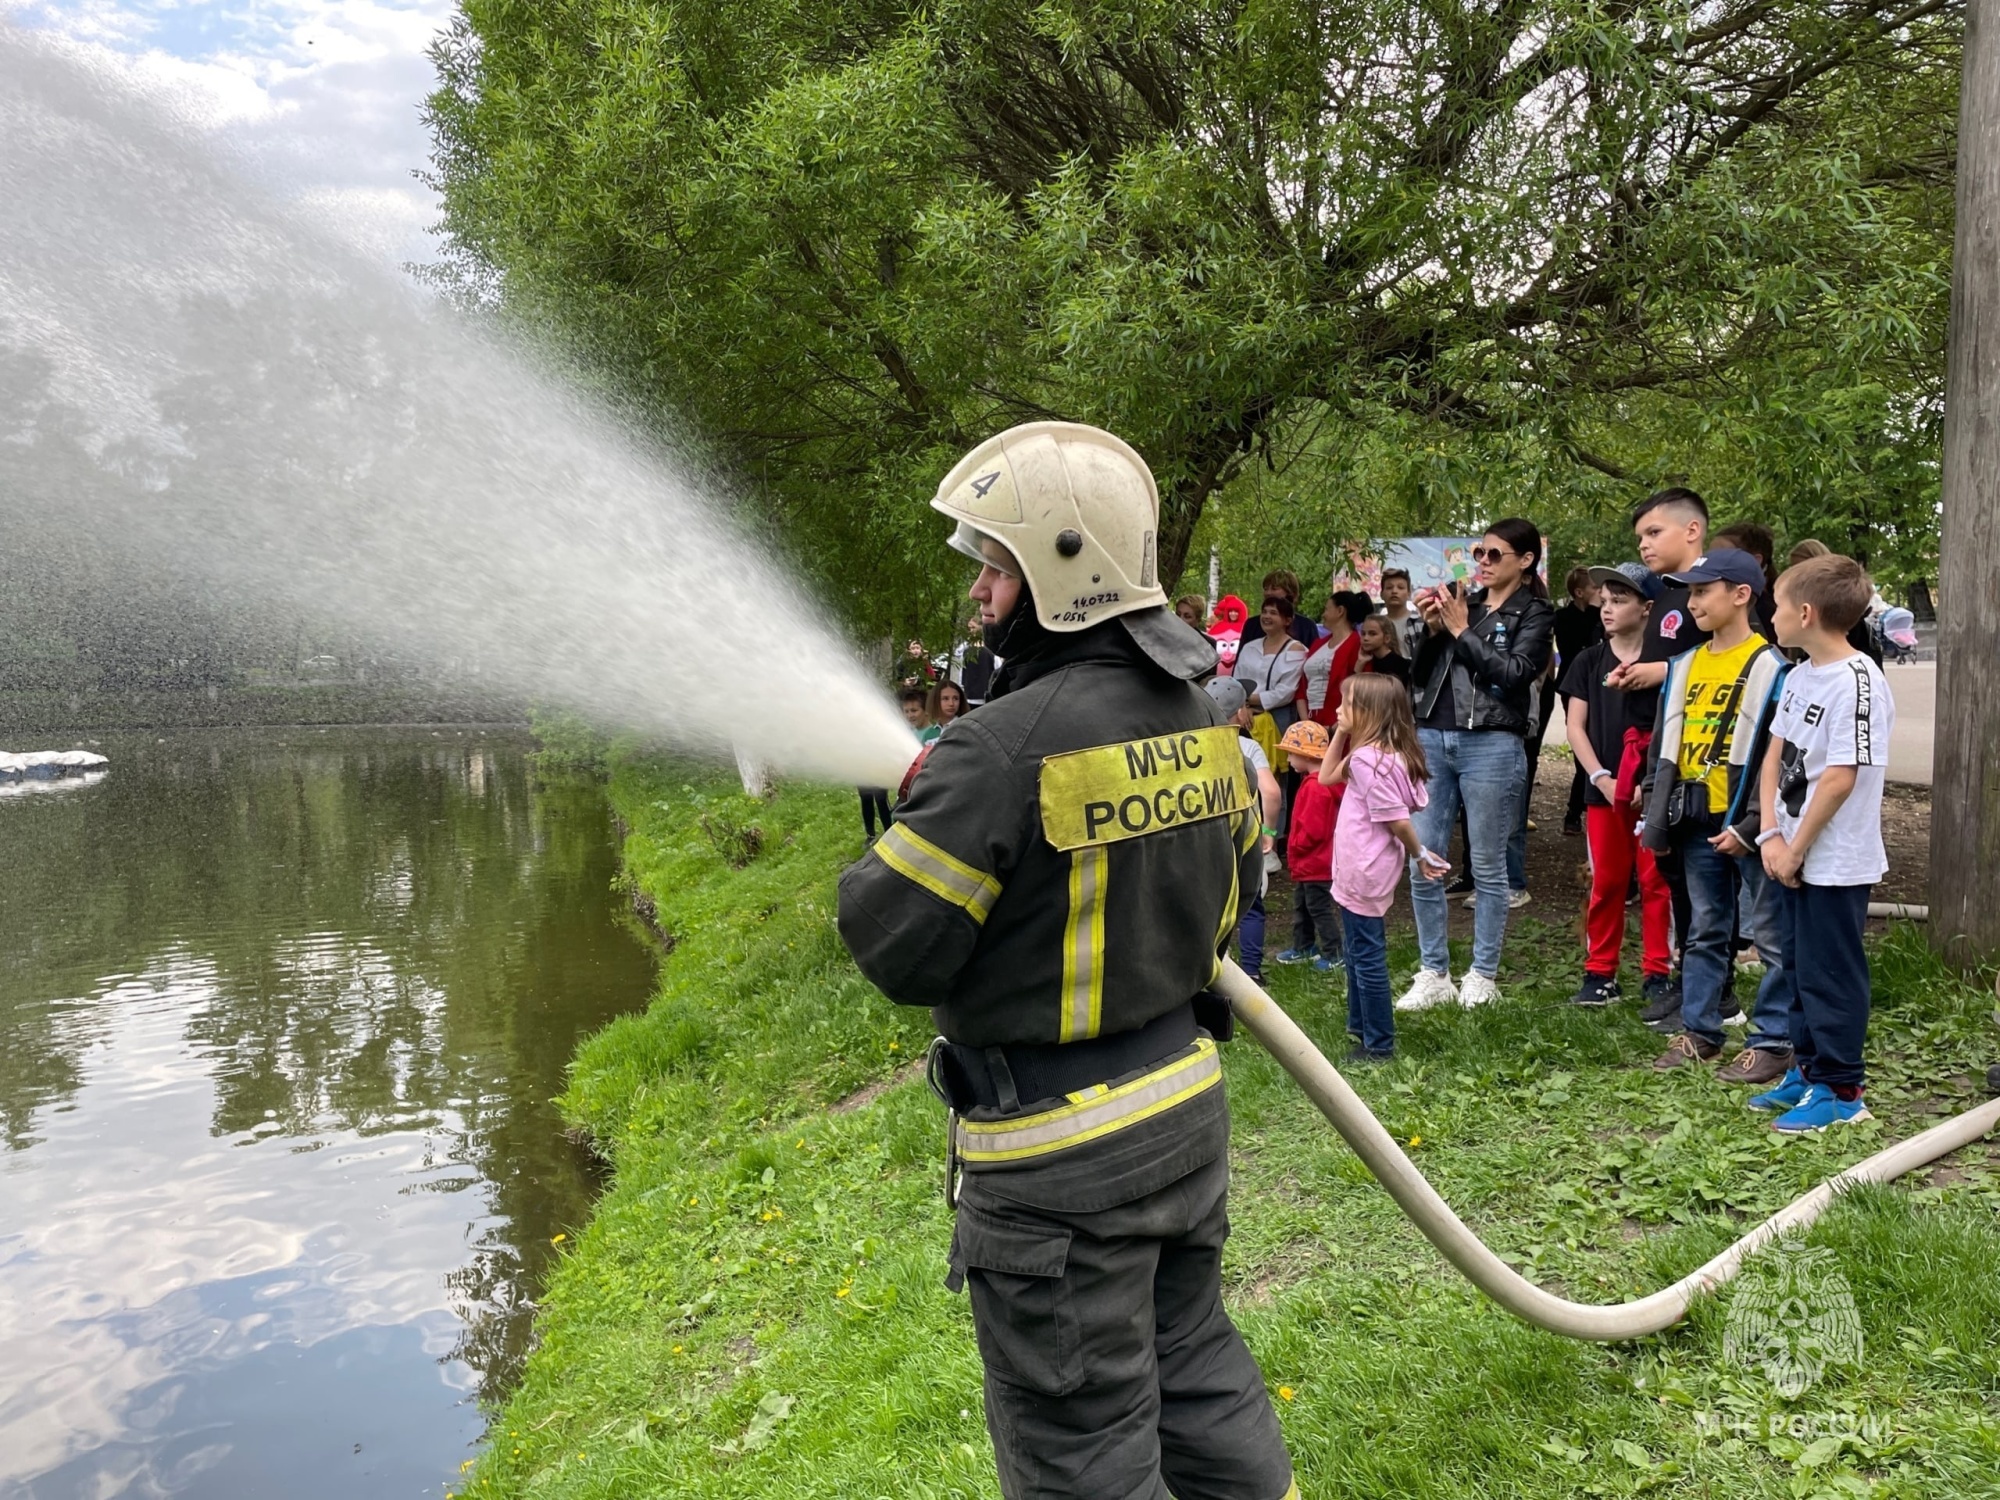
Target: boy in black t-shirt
(1672,530)
(1609,742)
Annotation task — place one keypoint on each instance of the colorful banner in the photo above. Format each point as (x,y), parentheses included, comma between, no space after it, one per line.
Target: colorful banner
(1429,560)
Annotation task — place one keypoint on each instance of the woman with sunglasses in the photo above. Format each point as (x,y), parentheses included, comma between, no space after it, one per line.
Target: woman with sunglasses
(1474,673)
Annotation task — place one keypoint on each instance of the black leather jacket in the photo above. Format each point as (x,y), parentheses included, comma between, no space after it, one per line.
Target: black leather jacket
(1491,667)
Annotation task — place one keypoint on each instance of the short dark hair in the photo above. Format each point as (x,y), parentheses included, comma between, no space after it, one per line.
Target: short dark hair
(1749,536)
(909,692)
(1676,498)
(1282,579)
(1278,602)
(1838,588)
(1576,578)
(1402,573)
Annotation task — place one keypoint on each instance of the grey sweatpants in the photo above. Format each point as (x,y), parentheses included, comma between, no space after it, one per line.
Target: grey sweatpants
(1112,1371)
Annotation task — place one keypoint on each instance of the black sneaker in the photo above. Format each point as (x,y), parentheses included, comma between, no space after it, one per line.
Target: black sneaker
(1359,1054)
(1572,827)
(1460,886)
(1663,1005)
(1597,991)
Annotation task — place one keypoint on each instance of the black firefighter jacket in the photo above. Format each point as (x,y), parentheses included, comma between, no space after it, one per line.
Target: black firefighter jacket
(1069,858)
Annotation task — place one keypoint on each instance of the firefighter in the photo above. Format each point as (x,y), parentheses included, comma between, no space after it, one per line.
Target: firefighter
(1055,888)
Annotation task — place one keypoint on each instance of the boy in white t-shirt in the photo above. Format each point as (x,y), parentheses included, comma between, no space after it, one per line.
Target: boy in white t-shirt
(1821,794)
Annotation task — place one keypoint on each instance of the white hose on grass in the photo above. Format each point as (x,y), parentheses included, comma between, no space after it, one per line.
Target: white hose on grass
(1283,1039)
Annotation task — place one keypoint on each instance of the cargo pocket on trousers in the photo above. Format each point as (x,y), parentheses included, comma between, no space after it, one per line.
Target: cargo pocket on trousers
(1022,1307)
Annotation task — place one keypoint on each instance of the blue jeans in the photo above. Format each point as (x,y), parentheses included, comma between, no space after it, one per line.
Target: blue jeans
(1369,1014)
(1485,768)
(1517,838)
(1706,954)
(1250,937)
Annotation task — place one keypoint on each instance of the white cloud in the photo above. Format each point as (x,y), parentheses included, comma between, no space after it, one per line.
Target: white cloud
(316,99)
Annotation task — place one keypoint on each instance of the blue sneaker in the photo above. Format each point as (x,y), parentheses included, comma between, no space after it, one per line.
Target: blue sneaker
(1325,965)
(1295,956)
(1787,1094)
(1818,1109)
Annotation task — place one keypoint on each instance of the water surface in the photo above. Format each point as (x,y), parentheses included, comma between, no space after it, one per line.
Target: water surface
(280,1017)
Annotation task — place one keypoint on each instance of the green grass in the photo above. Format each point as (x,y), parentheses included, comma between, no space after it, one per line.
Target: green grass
(757,1309)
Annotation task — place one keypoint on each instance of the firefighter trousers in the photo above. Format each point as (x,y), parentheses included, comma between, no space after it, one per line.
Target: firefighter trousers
(1112,1370)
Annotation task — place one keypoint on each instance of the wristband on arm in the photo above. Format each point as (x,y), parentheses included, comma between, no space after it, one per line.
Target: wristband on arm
(1767,835)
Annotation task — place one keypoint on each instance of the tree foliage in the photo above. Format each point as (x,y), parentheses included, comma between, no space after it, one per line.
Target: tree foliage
(1407,262)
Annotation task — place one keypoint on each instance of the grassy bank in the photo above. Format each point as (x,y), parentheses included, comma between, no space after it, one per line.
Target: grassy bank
(756,1308)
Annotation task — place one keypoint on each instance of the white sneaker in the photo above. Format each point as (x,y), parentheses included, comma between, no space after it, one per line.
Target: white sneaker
(1517,899)
(1427,989)
(1477,989)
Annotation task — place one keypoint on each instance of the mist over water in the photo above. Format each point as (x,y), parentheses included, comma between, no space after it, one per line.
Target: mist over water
(197,385)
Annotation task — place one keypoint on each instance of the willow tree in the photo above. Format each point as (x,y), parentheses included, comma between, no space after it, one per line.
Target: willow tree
(844,239)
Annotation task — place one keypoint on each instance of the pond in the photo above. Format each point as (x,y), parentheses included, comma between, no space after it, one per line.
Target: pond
(281,1014)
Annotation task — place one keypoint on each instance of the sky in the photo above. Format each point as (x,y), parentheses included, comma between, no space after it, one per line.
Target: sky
(316,99)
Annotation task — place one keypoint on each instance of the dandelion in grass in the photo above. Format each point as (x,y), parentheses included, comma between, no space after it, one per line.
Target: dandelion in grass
(1285,1393)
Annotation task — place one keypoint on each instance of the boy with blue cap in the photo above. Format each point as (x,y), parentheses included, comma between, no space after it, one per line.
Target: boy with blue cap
(1701,804)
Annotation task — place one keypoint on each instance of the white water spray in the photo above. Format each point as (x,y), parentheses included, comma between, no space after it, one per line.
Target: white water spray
(216,391)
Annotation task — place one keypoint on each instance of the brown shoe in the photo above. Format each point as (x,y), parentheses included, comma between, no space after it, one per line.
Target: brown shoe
(1756,1065)
(1685,1048)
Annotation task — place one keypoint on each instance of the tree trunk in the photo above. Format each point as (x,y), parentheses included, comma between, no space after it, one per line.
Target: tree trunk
(1965,791)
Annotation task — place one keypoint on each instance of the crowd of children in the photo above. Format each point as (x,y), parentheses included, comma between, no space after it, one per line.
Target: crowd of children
(1731,736)
(1742,796)
(1730,730)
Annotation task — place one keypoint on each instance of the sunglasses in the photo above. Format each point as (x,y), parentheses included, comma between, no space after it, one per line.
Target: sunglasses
(1492,554)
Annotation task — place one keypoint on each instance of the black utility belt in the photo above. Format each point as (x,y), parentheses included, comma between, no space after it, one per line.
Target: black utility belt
(1006,1078)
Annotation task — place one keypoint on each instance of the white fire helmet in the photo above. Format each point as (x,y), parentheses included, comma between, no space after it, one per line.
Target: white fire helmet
(1074,513)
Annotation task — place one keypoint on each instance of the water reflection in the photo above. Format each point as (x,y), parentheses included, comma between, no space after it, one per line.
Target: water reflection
(279,1020)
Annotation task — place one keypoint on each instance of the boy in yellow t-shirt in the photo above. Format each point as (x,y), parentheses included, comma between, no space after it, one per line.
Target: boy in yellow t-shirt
(1702,808)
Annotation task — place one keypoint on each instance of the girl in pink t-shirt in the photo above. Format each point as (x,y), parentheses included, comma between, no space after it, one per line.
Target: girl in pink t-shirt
(1376,753)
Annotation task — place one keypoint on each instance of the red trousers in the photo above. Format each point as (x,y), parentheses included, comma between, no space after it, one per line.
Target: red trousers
(1614,848)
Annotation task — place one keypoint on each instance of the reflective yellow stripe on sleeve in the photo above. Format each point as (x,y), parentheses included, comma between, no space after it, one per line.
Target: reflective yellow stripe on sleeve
(1083,945)
(917,859)
(1097,1114)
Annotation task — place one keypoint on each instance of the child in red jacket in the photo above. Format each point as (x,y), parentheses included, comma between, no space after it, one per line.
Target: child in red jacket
(1309,853)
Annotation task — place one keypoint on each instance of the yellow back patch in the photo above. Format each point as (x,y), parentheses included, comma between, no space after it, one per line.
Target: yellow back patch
(1128,790)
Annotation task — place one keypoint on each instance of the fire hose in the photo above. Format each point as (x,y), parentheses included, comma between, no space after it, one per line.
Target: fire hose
(1260,1015)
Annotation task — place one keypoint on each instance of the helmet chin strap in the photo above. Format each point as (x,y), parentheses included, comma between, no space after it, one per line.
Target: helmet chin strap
(1021,636)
